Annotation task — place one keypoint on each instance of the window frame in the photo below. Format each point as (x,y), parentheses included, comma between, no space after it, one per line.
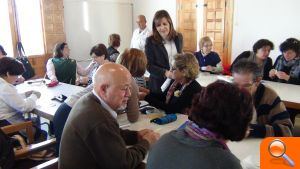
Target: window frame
(14,28)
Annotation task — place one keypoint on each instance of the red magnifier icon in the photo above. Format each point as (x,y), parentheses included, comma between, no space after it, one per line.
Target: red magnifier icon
(277,149)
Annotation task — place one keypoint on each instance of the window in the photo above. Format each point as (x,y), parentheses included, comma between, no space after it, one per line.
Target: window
(5,31)
(28,26)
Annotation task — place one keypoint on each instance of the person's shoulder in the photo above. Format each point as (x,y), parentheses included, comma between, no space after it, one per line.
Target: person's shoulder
(195,84)
(6,87)
(150,40)
(269,59)
(245,54)
(179,36)
(214,53)
(268,96)
(198,54)
(269,92)
(226,159)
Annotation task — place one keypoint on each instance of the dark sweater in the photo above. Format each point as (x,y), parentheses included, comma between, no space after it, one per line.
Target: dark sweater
(92,139)
(272,116)
(266,67)
(292,70)
(175,150)
(176,104)
(212,59)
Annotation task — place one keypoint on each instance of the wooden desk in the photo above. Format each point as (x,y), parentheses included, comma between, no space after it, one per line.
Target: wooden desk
(46,107)
(288,93)
(243,149)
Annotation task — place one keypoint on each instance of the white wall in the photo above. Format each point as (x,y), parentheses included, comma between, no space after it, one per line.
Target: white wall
(149,7)
(88,22)
(275,20)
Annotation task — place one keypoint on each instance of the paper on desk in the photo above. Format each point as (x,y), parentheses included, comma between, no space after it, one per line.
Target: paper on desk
(248,163)
(143,103)
(123,122)
(226,78)
(165,85)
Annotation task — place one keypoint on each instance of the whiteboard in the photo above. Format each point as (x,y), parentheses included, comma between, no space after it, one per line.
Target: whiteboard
(91,22)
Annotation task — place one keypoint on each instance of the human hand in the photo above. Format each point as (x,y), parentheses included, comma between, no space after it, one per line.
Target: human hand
(209,68)
(82,80)
(20,79)
(143,89)
(38,94)
(282,75)
(142,95)
(143,132)
(272,73)
(151,137)
(168,74)
(28,93)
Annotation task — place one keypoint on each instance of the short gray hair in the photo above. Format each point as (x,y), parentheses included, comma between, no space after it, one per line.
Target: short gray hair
(244,66)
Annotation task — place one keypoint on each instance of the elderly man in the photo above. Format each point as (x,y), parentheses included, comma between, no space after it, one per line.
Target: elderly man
(92,137)
(140,34)
(271,117)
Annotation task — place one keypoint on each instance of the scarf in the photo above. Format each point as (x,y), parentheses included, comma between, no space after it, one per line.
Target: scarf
(197,133)
(171,91)
(175,85)
(291,68)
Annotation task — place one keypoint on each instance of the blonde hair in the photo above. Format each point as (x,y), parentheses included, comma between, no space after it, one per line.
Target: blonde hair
(187,63)
(204,40)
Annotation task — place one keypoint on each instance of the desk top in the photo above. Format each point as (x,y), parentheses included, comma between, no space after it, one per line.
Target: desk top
(288,93)
(246,149)
(45,106)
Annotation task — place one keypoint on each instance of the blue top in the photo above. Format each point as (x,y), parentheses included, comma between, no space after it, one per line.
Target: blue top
(212,59)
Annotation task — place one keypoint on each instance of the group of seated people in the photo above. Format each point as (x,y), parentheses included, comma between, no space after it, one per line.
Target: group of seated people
(85,125)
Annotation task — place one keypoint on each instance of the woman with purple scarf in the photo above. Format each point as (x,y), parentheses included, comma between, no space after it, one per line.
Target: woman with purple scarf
(221,112)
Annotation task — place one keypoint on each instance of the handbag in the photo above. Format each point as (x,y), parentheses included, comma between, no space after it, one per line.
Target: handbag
(29,71)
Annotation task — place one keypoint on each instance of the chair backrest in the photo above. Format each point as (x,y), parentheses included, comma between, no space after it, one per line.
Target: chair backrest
(51,164)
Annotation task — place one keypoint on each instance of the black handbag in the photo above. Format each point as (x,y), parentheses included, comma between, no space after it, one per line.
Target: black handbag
(29,71)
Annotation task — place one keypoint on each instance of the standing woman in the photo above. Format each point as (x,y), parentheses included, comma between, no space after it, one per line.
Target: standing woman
(177,98)
(63,69)
(160,49)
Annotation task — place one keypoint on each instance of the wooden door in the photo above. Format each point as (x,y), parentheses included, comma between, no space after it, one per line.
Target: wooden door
(217,25)
(187,23)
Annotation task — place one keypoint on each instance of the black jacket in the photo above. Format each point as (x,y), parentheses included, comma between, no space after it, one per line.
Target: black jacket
(158,61)
(176,104)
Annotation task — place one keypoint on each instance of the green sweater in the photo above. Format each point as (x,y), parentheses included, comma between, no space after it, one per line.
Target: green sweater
(65,70)
(176,150)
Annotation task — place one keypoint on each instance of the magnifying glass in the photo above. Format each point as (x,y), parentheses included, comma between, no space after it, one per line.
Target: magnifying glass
(277,149)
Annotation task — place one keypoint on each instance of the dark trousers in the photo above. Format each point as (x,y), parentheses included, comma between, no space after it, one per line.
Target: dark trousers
(59,121)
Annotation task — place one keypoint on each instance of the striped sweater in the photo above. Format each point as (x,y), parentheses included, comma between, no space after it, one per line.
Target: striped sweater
(272,117)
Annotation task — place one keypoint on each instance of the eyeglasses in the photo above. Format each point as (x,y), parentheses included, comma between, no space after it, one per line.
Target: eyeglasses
(206,46)
(247,85)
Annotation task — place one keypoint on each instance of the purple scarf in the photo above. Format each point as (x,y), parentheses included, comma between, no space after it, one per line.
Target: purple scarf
(197,133)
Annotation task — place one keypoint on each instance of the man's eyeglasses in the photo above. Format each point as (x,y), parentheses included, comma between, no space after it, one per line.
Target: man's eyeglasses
(246,85)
